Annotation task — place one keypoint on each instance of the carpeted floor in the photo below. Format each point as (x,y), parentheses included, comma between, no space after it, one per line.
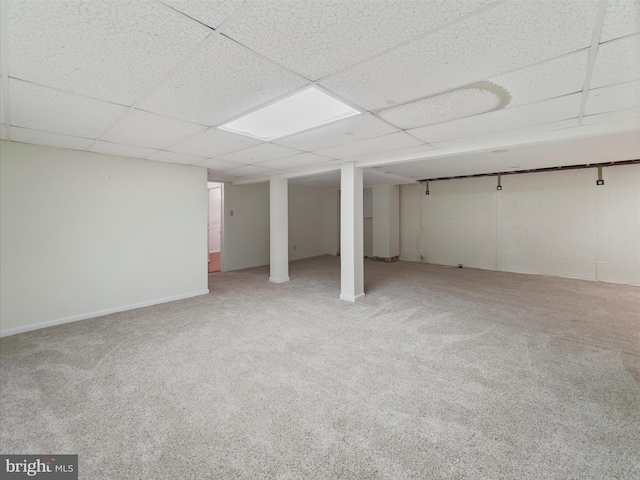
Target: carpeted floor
(439,373)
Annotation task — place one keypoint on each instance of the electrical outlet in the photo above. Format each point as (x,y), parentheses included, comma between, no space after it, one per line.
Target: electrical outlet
(231,213)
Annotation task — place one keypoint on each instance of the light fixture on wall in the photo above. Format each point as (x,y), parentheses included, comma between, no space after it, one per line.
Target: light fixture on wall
(306,109)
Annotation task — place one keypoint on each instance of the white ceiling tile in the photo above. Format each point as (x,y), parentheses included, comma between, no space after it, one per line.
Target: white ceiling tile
(393,153)
(614,97)
(213,142)
(499,40)
(328,163)
(561,76)
(113,51)
(611,116)
(219,165)
(209,12)
(49,139)
(553,110)
(171,157)
(385,143)
(380,176)
(146,129)
(222,81)
(258,154)
(318,38)
(251,171)
(41,108)
(622,18)
(349,130)
(301,160)
(617,61)
(547,127)
(478,98)
(119,150)
(325,179)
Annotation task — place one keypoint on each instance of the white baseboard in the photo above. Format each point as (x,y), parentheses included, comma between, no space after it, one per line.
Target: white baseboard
(278,280)
(99,313)
(351,298)
(214,251)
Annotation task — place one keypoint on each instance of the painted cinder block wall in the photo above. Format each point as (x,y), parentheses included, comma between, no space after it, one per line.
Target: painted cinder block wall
(552,223)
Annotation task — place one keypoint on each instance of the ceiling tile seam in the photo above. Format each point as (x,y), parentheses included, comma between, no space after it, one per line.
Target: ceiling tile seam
(634,109)
(182,14)
(419,139)
(68,92)
(4,65)
(623,37)
(492,144)
(593,52)
(289,156)
(298,152)
(408,131)
(231,19)
(477,80)
(214,158)
(393,176)
(614,85)
(162,78)
(267,59)
(506,132)
(413,40)
(53,133)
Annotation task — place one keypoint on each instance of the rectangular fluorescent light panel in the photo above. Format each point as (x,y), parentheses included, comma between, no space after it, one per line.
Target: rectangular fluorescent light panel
(304,110)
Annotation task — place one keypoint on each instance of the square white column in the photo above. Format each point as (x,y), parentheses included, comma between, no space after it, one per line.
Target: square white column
(351,234)
(279,229)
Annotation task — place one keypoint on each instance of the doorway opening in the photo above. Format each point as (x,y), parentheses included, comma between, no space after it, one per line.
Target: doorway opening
(214,226)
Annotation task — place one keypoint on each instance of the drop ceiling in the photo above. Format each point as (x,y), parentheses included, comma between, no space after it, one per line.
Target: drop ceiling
(440,84)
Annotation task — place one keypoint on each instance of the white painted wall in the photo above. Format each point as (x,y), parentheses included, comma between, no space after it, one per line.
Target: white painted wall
(313,224)
(84,234)
(552,223)
(386,221)
(312,210)
(246,226)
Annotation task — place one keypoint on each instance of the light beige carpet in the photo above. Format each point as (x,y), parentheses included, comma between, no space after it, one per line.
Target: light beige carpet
(439,373)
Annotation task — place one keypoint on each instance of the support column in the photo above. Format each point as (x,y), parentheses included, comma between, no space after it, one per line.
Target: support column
(351,234)
(279,230)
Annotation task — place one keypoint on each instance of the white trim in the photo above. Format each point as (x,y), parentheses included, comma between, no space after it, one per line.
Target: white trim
(351,298)
(214,251)
(278,280)
(99,313)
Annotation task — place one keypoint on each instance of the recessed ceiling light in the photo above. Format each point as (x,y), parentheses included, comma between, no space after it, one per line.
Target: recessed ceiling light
(301,111)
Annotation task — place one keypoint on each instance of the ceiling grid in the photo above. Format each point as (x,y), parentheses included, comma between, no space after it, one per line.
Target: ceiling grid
(440,83)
